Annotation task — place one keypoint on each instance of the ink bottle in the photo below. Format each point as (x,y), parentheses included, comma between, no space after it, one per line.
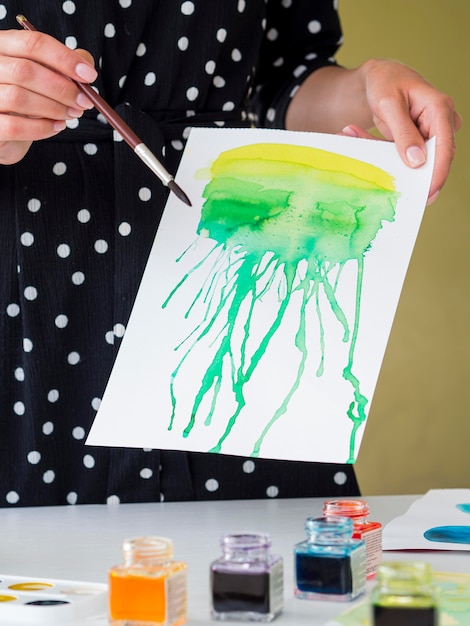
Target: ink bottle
(148,588)
(371,532)
(247,582)
(404,595)
(330,564)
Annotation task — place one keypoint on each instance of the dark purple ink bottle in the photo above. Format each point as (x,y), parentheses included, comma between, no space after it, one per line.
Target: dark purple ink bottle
(247,582)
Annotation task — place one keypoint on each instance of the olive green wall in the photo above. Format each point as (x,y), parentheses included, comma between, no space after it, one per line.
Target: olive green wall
(418,434)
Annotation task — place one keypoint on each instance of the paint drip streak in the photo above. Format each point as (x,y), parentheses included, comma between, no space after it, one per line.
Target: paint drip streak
(275,211)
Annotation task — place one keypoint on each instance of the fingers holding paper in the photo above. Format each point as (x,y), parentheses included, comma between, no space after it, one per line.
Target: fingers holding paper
(408,110)
(389,96)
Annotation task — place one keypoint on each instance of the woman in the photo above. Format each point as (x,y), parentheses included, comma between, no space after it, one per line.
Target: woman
(79,211)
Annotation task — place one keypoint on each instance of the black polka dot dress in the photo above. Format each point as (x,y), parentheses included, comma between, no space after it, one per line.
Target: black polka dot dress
(77,219)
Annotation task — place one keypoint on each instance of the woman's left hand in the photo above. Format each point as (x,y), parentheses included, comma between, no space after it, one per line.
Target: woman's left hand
(408,110)
(387,95)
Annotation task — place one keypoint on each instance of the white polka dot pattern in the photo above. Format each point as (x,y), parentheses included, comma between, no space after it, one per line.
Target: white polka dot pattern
(82,214)
(34,457)
(78,432)
(272,491)
(12,497)
(69,7)
(72,498)
(212,484)
(340,478)
(249,467)
(48,477)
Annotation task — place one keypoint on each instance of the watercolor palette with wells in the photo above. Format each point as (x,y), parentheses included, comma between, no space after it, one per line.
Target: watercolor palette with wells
(25,600)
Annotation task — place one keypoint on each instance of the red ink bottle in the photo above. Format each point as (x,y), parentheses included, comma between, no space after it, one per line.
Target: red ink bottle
(370,532)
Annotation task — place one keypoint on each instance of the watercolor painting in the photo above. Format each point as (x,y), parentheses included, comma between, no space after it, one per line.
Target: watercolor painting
(451,533)
(268,304)
(331,207)
(437,521)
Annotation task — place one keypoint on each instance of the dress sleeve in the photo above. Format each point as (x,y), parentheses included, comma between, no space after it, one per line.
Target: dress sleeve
(300,37)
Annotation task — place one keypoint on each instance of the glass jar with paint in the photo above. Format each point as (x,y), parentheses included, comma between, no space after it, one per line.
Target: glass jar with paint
(404,595)
(371,532)
(148,587)
(247,582)
(330,564)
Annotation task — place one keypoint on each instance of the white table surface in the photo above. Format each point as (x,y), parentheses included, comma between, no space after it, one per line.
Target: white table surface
(81,542)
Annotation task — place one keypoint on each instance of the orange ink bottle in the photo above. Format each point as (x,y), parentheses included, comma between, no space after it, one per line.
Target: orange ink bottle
(370,532)
(148,588)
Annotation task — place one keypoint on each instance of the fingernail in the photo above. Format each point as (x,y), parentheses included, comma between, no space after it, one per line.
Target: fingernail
(349,131)
(432,198)
(71,112)
(83,101)
(415,156)
(86,72)
(59,125)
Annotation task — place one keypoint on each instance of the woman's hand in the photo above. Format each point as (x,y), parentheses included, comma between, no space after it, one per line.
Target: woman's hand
(385,94)
(408,110)
(37,96)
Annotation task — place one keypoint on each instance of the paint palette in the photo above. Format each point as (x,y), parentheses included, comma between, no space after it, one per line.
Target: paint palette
(26,600)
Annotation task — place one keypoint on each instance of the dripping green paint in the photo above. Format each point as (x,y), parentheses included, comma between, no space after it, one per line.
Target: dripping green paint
(270,209)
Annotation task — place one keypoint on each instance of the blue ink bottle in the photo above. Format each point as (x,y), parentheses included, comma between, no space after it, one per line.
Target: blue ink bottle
(247,582)
(330,564)
(404,595)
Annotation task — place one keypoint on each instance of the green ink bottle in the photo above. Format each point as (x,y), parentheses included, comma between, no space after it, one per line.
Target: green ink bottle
(404,595)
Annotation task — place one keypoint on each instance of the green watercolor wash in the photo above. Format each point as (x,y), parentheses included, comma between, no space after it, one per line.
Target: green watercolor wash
(269,208)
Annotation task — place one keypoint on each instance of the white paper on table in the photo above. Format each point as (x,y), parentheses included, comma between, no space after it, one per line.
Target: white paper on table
(268,417)
(439,513)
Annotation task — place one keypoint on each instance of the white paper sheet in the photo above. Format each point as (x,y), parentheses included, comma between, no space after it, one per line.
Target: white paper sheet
(440,520)
(257,335)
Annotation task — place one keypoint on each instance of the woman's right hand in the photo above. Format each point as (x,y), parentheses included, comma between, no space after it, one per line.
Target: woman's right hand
(37,96)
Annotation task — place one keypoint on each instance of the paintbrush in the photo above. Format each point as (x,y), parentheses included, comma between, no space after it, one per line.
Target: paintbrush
(137,145)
